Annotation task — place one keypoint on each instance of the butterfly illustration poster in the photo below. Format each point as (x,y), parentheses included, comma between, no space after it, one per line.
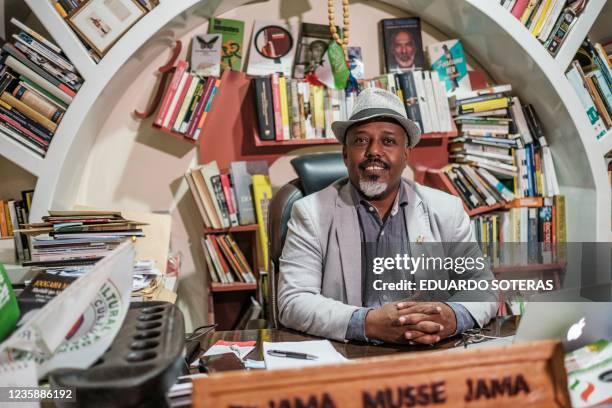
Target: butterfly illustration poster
(206,55)
(232,32)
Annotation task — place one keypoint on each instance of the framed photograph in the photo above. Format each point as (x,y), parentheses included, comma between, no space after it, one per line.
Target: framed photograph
(402,44)
(101,23)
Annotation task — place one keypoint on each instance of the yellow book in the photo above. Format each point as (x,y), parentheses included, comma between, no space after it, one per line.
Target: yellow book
(318,94)
(545,10)
(27,111)
(262,194)
(60,10)
(282,90)
(528,10)
(483,106)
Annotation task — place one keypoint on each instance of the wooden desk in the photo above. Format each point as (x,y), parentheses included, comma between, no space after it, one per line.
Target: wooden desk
(499,327)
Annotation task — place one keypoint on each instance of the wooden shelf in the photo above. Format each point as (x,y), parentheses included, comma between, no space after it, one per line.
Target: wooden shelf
(529,268)
(484,209)
(232,287)
(295,142)
(239,228)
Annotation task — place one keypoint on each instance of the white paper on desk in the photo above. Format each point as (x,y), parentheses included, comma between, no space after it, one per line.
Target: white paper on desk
(219,349)
(323,349)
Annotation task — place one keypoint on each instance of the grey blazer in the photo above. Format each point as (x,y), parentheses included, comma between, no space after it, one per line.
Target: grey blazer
(320,266)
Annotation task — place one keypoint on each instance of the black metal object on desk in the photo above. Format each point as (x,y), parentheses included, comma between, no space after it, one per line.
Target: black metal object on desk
(141,365)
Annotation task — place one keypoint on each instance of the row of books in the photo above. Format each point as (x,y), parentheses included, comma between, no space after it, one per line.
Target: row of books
(591,77)
(37,83)
(424,95)
(550,21)
(501,152)
(226,262)
(296,109)
(225,199)
(523,234)
(186,103)
(14,214)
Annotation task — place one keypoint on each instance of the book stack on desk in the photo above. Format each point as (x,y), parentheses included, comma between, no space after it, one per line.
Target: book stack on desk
(77,238)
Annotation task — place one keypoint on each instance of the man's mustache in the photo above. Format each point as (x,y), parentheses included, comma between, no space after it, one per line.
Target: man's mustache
(371,162)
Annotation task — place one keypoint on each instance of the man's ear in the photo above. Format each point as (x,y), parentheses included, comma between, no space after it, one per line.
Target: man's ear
(344,153)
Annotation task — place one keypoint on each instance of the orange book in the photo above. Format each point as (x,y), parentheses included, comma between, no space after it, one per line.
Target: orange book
(3,224)
(224,265)
(231,259)
(241,258)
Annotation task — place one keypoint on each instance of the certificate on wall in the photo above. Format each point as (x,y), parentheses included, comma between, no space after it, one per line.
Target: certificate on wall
(100,23)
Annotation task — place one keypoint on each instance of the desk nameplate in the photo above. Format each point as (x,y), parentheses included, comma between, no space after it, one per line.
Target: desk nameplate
(531,374)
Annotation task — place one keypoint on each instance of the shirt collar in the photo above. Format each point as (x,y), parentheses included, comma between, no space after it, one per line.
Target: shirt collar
(401,199)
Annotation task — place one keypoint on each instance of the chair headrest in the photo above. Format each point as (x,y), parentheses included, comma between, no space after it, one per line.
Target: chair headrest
(317,171)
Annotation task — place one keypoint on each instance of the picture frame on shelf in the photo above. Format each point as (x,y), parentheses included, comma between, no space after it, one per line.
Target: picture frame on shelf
(100,23)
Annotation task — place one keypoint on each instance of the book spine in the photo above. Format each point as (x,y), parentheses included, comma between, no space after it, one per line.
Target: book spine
(295,110)
(199,111)
(242,186)
(559,33)
(28,111)
(44,51)
(229,201)
(58,92)
(519,8)
(192,107)
(170,91)
(220,198)
(3,223)
(217,257)
(411,100)
(197,199)
(19,56)
(532,248)
(185,102)
(483,106)
(38,103)
(462,190)
(262,193)
(276,104)
(18,117)
(230,260)
(212,270)
(423,102)
(264,108)
(318,106)
(175,105)
(207,108)
(241,258)
(282,89)
(35,35)
(24,131)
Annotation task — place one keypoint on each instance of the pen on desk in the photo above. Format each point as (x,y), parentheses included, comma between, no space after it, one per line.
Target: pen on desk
(291,354)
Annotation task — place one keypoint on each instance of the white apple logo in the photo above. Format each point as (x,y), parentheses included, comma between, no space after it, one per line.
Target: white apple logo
(576,330)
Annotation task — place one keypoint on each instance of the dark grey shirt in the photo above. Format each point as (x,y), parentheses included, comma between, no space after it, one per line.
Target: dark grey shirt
(386,238)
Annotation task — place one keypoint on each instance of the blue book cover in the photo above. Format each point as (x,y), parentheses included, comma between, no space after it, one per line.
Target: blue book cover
(448,60)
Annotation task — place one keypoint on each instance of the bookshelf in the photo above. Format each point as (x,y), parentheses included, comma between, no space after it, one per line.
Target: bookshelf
(490,36)
(228,301)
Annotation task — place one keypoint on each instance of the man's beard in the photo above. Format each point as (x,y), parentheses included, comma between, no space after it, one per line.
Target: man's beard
(405,60)
(372,188)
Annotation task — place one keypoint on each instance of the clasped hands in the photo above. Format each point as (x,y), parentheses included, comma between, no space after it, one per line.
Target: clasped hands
(410,321)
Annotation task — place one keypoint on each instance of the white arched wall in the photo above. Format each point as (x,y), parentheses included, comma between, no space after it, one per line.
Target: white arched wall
(102,157)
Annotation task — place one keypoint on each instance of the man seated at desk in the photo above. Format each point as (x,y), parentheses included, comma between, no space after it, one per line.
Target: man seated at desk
(325,286)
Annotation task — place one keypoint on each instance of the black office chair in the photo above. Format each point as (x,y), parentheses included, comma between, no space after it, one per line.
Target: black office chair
(315,172)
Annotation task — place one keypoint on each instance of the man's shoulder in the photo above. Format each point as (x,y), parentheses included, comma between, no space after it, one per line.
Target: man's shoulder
(323,198)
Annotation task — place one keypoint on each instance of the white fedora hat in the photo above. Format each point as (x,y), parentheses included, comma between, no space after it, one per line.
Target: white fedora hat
(374,103)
